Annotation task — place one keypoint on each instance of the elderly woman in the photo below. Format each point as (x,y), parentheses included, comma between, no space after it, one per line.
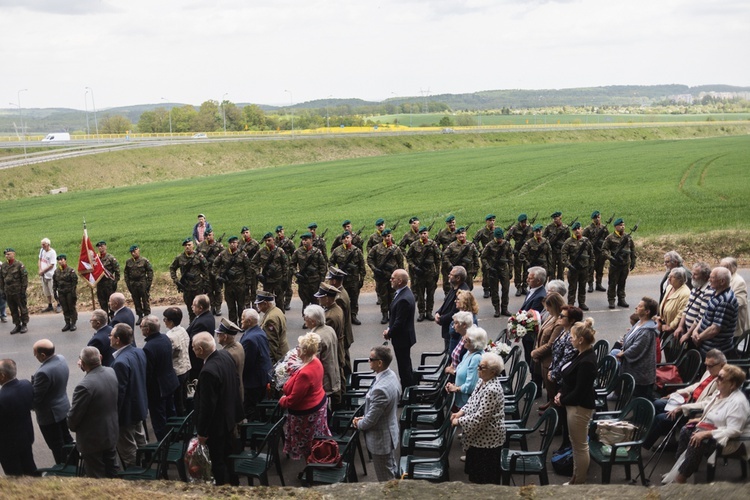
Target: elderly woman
(305,400)
(483,422)
(563,352)
(466,371)
(465,301)
(329,351)
(673,260)
(673,303)
(548,333)
(180,355)
(638,354)
(578,397)
(726,415)
(462,321)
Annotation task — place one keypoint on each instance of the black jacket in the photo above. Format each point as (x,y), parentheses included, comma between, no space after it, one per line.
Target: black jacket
(578,381)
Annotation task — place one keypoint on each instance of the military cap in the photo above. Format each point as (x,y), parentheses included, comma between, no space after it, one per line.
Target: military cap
(619,221)
(522,217)
(490,217)
(244,228)
(267,235)
(450,218)
(312,225)
(186,241)
(347,221)
(100,243)
(210,230)
(326,290)
(133,248)
(345,234)
(386,231)
(334,273)
(264,296)
(9,250)
(279,229)
(233,238)
(62,256)
(461,229)
(201,215)
(413,219)
(228,327)
(306,236)
(498,232)
(556,214)
(576,225)
(379,222)
(537,227)
(595,214)
(422,229)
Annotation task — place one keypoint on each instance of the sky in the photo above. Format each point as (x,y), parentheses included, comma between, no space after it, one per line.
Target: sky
(289,51)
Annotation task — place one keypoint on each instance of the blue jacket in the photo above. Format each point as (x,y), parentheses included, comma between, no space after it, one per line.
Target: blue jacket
(161,380)
(100,340)
(130,368)
(257,369)
(16,399)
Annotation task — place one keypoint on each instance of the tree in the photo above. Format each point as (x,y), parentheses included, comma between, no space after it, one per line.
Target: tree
(446,122)
(209,118)
(115,124)
(254,117)
(184,118)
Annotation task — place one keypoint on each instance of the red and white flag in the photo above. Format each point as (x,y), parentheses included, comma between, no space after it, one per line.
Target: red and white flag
(89,265)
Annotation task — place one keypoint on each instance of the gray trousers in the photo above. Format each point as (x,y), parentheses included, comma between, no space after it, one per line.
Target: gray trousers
(385,466)
(131,437)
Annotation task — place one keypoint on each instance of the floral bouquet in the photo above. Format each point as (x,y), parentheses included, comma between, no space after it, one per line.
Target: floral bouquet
(286,368)
(198,462)
(522,323)
(500,348)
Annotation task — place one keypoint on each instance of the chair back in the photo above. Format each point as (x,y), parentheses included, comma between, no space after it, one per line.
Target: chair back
(159,457)
(526,403)
(502,336)
(605,373)
(625,386)
(271,442)
(546,425)
(690,366)
(601,349)
(742,345)
(513,357)
(516,379)
(672,349)
(639,412)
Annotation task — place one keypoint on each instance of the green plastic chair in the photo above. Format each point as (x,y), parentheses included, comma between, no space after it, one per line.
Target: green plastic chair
(343,472)
(531,462)
(523,409)
(71,467)
(255,464)
(435,470)
(153,469)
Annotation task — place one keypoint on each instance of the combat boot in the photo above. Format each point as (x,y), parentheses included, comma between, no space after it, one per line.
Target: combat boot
(48,309)
(600,288)
(73,327)
(356,321)
(429,317)
(611,304)
(519,291)
(591,288)
(384,319)
(66,327)
(486,294)
(140,318)
(497,312)
(23,328)
(420,318)
(583,307)
(15,330)
(622,303)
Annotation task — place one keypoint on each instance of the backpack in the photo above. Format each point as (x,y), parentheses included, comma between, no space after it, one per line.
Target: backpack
(562,461)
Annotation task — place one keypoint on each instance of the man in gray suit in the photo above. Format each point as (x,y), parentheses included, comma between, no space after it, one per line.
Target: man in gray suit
(51,402)
(93,415)
(380,421)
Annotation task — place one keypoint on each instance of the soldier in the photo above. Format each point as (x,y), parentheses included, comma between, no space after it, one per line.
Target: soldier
(335,279)
(250,246)
(273,324)
(317,241)
(271,265)
(193,268)
(556,233)
(210,248)
(520,233)
(377,237)
(423,257)
(619,250)
(445,237)
(383,259)
(578,257)
(139,275)
(335,318)
(309,266)
(596,233)
(410,236)
(481,239)
(462,253)
(356,238)
(350,260)
(536,251)
(14,280)
(64,283)
(232,269)
(107,284)
(497,261)
(287,245)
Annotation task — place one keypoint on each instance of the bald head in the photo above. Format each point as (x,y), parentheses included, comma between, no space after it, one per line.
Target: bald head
(43,349)
(719,279)
(116,301)
(400,278)
(203,345)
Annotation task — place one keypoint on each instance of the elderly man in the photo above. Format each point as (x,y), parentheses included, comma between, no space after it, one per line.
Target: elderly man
(100,338)
(16,429)
(14,280)
(218,407)
(120,312)
(444,315)
(697,302)
(51,402)
(739,287)
(716,329)
(400,329)
(256,372)
(47,261)
(226,337)
(161,379)
(534,300)
(203,321)
(93,416)
(673,260)
(274,324)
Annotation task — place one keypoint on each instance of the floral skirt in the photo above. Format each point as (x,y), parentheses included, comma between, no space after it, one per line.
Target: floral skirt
(299,431)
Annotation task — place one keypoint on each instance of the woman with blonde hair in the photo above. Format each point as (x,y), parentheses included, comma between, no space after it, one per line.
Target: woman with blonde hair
(465,301)
(548,333)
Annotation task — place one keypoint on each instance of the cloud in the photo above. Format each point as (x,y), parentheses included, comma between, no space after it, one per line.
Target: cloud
(74,8)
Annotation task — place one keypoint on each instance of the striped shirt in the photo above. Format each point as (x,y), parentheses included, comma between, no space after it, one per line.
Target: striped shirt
(722,312)
(697,303)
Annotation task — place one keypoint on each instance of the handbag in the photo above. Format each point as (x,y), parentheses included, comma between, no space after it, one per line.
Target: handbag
(667,374)
(325,451)
(614,431)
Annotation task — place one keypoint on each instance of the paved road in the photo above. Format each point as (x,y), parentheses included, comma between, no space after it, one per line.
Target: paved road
(610,325)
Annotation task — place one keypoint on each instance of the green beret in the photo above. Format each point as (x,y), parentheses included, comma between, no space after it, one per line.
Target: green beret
(233,238)
(595,214)
(498,232)
(279,229)
(450,218)
(345,234)
(522,217)
(312,225)
(347,221)
(537,227)
(306,236)
(133,248)
(186,241)
(460,230)
(100,243)
(490,217)
(422,229)
(386,231)
(379,222)
(413,219)
(62,256)
(9,250)
(619,221)
(209,231)
(556,214)
(244,228)
(267,235)
(576,225)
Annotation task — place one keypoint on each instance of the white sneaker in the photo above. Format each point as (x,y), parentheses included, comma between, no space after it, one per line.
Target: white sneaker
(463,458)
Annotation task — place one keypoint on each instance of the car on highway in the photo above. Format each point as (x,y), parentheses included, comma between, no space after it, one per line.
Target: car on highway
(57,137)
(200,135)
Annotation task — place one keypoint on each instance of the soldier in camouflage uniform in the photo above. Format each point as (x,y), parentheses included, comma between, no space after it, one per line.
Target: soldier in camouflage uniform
(271,265)
(556,233)
(619,250)
(210,248)
(578,257)
(520,233)
(309,267)
(107,286)
(317,241)
(383,259)
(445,237)
(376,238)
(497,262)
(14,280)
(481,239)
(410,236)
(139,275)
(65,283)
(423,257)
(462,253)
(287,245)
(250,246)
(349,259)
(596,233)
(193,268)
(536,251)
(356,238)
(232,268)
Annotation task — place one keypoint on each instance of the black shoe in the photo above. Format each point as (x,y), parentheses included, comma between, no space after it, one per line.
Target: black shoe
(384,319)
(15,330)
(497,313)
(420,318)
(58,308)
(486,294)
(600,288)
(611,305)
(356,321)
(73,327)
(429,317)
(591,289)
(622,303)
(49,309)
(287,307)
(23,329)
(377,302)
(66,327)
(584,307)
(138,322)
(519,292)
(506,312)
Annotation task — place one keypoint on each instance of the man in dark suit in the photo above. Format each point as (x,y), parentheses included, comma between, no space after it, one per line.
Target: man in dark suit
(132,400)
(121,313)
(51,402)
(161,379)
(16,429)
(400,329)
(93,416)
(256,372)
(100,339)
(444,315)
(536,280)
(218,407)
(204,322)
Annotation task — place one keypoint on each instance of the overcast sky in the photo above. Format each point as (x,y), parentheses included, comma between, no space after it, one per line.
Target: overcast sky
(188,51)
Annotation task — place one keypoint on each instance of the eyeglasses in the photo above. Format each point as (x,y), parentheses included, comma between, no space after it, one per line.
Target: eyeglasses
(373,359)
(711,366)
(721,377)
(563,316)
(480,367)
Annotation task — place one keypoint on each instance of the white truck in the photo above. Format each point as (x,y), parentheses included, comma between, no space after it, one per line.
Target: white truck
(57,137)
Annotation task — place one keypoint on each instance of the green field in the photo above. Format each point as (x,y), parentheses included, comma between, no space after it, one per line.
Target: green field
(669,186)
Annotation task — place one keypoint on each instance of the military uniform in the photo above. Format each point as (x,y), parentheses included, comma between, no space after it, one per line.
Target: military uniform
(250,247)
(619,250)
(309,267)
(375,238)
(556,236)
(65,283)
(274,325)
(519,235)
(139,275)
(445,237)
(465,255)
(497,261)
(480,240)
(288,246)
(193,277)
(407,239)
(14,280)
(107,286)
(210,251)
(536,253)
(357,241)
(320,244)
(234,272)
(597,235)
(271,267)
(383,260)
(424,265)
(344,303)
(352,262)
(578,256)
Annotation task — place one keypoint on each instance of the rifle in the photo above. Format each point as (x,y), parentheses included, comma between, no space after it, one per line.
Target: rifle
(462,254)
(597,243)
(380,272)
(396,225)
(358,233)
(509,226)
(469,226)
(533,219)
(572,264)
(322,236)
(495,269)
(419,270)
(573,221)
(293,234)
(610,220)
(221,237)
(271,257)
(616,257)
(228,272)
(429,228)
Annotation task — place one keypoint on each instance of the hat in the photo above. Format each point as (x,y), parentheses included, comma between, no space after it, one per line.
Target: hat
(210,230)
(201,215)
(498,232)
(347,221)
(595,214)
(576,225)
(326,290)
(379,222)
(413,219)
(522,217)
(264,296)
(461,229)
(386,231)
(312,225)
(279,229)
(490,217)
(233,238)
(422,229)
(244,228)
(450,218)
(345,234)
(306,235)
(267,235)
(619,221)
(62,256)
(556,214)
(537,227)
(133,248)
(186,241)
(9,250)
(335,273)
(100,243)
(228,327)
